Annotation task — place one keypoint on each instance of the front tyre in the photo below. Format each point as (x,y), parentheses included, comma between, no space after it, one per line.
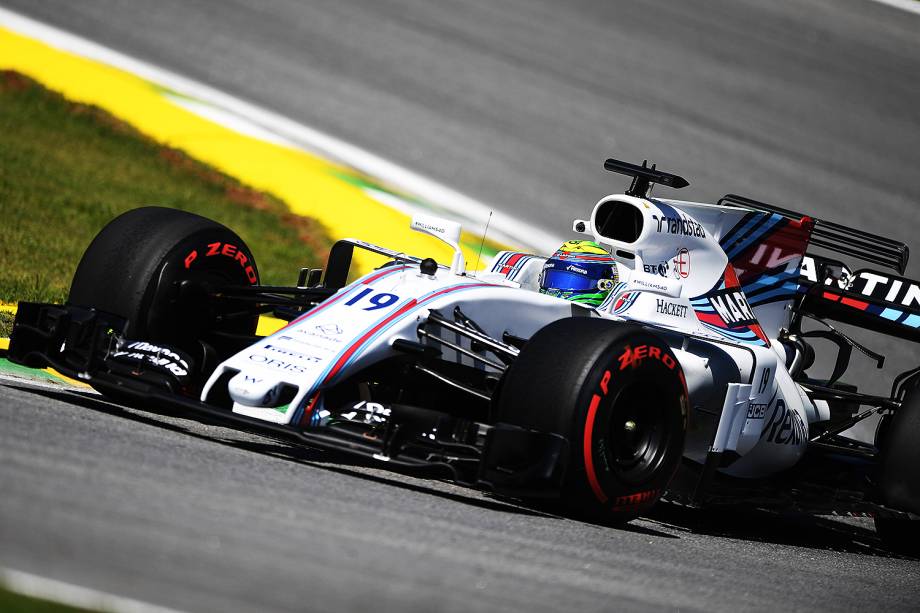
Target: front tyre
(618,396)
(157,268)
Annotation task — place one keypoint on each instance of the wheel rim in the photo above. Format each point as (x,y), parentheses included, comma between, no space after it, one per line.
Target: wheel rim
(639,432)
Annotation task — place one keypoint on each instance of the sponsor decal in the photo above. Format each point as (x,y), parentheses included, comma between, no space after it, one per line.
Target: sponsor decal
(632,500)
(809,270)
(277,363)
(421,225)
(785,426)
(756,410)
(681,263)
(315,344)
(776,256)
(660,269)
(371,412)
(666,307)
(580,271)
(228,250)
(316,334)
(897,290)
(154,355)
(726,311)
(875,286)
(732,306)
(633,356)
(291,354)
(650,284)
(625,302)
(329,329)
(679,225)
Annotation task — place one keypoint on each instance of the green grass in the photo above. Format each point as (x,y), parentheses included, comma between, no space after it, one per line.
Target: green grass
(11,602)
(66,169)
(6,323)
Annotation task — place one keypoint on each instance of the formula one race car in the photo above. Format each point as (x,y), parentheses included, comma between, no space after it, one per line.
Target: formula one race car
(682,376)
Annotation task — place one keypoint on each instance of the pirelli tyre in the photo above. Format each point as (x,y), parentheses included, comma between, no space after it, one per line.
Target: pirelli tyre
(153,267)
(899,474)
(618,396)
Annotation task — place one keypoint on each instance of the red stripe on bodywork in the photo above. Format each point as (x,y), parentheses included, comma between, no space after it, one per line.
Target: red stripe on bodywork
(315,310)
(388,320)
(711,318)
(757,330)
(589,459)
(332,301)
(357,344)
(858,304)
(382,274)
(308,412)
(831,296)
(507,266)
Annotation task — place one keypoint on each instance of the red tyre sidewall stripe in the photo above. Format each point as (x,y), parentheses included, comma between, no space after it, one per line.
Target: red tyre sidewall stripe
(587,443)
(588,450)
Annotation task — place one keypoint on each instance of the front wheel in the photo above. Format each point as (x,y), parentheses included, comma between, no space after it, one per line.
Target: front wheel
(617,394)
(156,268)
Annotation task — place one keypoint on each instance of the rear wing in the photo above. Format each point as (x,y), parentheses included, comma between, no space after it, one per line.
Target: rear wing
(838,238)
(868,299)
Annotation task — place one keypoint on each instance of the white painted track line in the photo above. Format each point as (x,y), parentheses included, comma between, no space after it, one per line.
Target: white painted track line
(74,595)
(911,6)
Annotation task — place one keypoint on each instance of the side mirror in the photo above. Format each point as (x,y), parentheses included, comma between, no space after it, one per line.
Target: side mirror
(447,231)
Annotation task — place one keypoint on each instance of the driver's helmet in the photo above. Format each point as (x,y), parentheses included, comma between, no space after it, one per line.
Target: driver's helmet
(580,271)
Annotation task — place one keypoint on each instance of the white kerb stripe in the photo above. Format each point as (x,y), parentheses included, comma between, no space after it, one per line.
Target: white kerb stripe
(73,595)
(437,194)
(911,6)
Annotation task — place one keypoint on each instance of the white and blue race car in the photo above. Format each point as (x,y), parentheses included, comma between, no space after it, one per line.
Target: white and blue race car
(665,357)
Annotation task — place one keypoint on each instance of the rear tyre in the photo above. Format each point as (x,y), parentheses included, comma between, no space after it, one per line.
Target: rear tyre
(617,394)
(899,474)
(899,535)
(153,266)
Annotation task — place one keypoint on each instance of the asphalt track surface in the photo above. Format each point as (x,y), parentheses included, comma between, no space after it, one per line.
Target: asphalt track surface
(811,105)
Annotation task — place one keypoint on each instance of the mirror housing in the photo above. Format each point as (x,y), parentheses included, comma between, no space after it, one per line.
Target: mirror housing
(445,230)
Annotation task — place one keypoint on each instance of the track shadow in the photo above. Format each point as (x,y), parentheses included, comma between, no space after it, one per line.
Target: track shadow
(793,529)
(319,459)
(734,523)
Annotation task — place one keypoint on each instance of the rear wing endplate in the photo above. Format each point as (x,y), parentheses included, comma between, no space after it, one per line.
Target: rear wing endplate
(838,238)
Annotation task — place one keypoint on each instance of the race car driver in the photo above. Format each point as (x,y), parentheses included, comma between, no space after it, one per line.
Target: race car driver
(581,271)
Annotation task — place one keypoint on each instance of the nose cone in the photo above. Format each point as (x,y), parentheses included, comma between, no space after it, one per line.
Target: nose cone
(254,390)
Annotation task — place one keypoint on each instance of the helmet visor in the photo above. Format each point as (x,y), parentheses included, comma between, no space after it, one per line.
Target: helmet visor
(565,280)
